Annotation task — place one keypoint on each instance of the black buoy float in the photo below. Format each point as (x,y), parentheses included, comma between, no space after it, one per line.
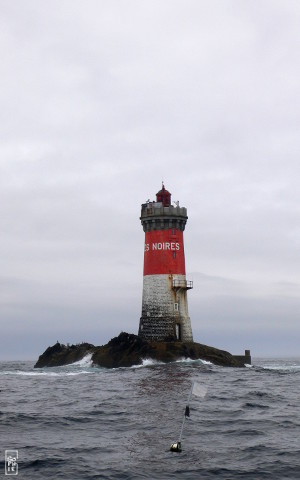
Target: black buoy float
(176,447)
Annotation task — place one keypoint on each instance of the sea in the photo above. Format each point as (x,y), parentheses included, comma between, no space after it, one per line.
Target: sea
(84,422)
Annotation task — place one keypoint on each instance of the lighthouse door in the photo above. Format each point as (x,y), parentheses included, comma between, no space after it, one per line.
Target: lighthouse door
(177,331)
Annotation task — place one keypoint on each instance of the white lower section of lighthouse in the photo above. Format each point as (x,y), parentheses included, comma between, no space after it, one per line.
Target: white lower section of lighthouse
(164,308)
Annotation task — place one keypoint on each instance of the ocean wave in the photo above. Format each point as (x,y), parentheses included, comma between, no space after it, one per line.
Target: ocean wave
(72,369)
(114,422)
(44,374)
(150,362)
(255,405)
(194,361)
(291,368)
(84,362)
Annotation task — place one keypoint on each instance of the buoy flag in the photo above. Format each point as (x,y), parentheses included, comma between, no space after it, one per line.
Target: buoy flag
(199,390)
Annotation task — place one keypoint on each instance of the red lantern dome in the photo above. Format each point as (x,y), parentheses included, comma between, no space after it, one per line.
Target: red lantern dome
(164,197)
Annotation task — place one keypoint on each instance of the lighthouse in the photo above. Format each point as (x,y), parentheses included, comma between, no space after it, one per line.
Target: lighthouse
(165,314)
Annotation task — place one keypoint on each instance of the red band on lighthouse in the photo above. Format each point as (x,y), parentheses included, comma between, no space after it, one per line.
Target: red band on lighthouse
(164,252)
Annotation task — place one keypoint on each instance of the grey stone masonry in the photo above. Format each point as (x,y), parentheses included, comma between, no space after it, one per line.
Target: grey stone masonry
(165,309)
(156,217)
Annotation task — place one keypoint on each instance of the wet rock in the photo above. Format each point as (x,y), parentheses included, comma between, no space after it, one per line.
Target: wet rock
(60,354)
(127,350)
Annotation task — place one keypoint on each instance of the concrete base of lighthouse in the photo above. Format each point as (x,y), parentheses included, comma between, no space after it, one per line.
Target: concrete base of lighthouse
(164,311)
(162,329)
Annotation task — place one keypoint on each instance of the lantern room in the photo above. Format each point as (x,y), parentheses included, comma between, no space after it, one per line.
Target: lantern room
(164,197)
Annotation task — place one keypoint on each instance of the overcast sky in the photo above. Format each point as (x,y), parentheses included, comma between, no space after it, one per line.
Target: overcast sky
(100,102)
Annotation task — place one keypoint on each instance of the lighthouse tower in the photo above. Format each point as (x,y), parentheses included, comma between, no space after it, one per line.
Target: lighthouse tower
(164,306)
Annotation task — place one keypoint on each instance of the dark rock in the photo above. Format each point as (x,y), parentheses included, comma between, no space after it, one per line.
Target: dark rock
(60,354)
(122,351)
(127,350)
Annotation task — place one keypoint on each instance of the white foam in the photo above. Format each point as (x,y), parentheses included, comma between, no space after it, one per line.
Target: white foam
(191,360)
(147,362)
(44,374)
(84,362)
(206,362)
(281,367)
(25,374)
(77,373)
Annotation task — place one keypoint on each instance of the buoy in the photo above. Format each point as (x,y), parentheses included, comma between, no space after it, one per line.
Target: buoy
(176,447)
(199,391)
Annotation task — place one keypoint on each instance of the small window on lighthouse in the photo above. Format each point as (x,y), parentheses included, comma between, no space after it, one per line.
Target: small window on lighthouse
(176,307)
(174,254)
